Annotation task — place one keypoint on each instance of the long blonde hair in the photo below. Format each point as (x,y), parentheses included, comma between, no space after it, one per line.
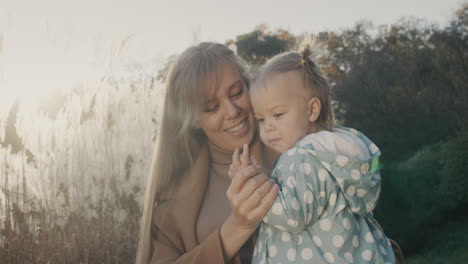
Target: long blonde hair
(179,141)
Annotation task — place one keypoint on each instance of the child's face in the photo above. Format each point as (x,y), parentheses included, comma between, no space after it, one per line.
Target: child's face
(280,107)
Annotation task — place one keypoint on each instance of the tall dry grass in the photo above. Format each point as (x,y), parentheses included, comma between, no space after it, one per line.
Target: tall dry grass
(78,199)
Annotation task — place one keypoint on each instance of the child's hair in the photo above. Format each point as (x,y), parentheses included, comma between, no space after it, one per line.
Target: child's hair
(313,77)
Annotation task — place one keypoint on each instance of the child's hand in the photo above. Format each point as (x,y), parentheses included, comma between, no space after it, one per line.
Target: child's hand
(241,161)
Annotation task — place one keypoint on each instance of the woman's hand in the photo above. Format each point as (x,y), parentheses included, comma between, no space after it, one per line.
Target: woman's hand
(251,194)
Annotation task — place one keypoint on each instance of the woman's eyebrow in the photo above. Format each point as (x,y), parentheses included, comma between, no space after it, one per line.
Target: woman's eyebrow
(234,84)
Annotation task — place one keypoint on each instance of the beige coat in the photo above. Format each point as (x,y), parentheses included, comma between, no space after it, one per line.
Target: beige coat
(175,218)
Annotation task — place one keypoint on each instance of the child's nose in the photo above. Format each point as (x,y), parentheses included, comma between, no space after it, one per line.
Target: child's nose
(268,126)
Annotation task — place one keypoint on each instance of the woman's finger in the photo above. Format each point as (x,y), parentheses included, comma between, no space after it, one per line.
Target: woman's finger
(262,209)
(251,186)
(241,177)
(256,197)
(245,157)
(235,158)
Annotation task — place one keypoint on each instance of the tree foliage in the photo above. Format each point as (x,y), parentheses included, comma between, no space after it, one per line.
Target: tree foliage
(257,46)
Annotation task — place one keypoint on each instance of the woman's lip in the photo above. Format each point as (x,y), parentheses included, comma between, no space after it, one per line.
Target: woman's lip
(242,131)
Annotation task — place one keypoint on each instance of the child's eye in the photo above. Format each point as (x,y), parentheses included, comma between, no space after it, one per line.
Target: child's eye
(278,115)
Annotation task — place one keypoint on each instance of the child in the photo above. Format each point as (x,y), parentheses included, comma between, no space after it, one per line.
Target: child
(328,176)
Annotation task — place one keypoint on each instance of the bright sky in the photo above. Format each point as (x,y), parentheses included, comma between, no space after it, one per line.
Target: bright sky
(51,44)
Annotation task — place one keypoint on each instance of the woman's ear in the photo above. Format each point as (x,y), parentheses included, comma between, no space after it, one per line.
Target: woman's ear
(314,106)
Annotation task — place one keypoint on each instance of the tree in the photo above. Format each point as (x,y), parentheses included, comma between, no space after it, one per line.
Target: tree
(259,45)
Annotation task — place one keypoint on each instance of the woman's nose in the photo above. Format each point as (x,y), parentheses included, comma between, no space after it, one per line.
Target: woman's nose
(232,110)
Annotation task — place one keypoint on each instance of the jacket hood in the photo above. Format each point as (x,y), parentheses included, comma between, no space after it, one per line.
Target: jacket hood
(352,160)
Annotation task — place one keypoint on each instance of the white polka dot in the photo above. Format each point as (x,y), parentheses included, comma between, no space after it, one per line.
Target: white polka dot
(322,194)
(329,257)
(382,249)
(291,182)
(340,208)
(320,210)
(291,151)
(356,209)
(367,255)
(255,251)
(317,241)
(265,219)
(293,223)
(356,175)
(349,257)
(295,204)
(308,197)
(307,254)
(291,167)
(272,250)
(299,239)
(338,241)
(286,236)
(309,218)
(365,168)
(351,190)
(305,168)
(326,165)
(346,224)
(277,209)
(325,224)
(341,160)
(361,193)
(292,254)
(332,199)
(373,148)
(379,234)
(279,227)
(369,207)
(323,175)
(369,238)
(355,241)
(268,231)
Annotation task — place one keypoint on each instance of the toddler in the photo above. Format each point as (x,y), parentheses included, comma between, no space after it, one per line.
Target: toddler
(328,175)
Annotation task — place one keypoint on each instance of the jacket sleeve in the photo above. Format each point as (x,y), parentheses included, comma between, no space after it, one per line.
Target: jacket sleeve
(168,247)
(305,190)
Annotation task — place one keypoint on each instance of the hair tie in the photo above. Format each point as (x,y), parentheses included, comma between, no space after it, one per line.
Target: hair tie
(303,61)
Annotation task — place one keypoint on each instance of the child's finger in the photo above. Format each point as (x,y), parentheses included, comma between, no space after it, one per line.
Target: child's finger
(245,157)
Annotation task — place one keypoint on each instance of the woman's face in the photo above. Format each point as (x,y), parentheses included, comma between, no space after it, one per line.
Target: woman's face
(226,116)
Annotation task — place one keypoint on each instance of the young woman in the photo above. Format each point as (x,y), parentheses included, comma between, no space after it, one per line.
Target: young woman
(193,211)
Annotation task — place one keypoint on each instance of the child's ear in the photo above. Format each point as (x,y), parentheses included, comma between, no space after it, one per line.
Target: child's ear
(314,107)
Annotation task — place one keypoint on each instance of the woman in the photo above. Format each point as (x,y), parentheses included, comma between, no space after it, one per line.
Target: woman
(193,211)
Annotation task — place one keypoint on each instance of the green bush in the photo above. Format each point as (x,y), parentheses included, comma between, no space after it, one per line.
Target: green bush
(408,206)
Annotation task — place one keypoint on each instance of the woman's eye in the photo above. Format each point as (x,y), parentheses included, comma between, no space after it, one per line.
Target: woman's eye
(259,120)
(212,109)
(237,93)
(278,115)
